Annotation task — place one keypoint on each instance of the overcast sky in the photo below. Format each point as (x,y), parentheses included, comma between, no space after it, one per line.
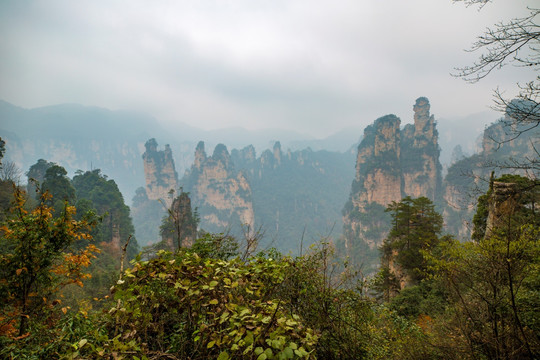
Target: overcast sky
(312,66)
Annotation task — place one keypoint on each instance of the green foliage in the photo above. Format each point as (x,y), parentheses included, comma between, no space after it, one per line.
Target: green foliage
(397,338)
(6,197)
(493,282)
(203,308)
(59,186)
(329,302)
(384,284)
(216,246)
(429,297)
(494,288)
(416,226)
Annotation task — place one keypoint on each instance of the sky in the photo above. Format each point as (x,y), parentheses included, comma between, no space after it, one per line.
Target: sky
(310,66)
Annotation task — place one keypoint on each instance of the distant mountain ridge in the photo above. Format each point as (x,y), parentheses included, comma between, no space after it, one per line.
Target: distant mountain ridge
(295,182)
(88,137)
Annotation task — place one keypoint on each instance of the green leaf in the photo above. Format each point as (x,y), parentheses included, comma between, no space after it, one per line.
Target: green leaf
(288,352)
(210,344)
(262,357)
(269,353)
(82,343)
(213,302)
(223,355)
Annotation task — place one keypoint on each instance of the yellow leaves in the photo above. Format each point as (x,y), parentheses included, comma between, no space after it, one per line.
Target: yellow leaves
(71,210)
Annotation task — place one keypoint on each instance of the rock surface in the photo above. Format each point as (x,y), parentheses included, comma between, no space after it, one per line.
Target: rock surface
(159,172)
(221,194)
(392,163)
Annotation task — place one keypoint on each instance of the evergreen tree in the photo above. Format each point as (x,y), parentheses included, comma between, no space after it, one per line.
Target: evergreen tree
(416,227)
(56,183)
(36,174)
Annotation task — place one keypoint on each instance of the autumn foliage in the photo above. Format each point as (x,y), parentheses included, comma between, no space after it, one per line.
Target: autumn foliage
(40,254)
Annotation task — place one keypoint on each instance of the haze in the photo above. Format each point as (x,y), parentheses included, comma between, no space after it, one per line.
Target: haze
(309,66)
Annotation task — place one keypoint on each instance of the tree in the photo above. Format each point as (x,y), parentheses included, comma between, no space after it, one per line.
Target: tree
(515,42)
(10,172)
(2,150)
(416,227)
(37,260)
(59,186)
(494,280)
(36,174)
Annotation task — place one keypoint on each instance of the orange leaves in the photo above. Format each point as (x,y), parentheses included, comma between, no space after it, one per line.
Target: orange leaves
(7,326)
(73,264)
(425,322)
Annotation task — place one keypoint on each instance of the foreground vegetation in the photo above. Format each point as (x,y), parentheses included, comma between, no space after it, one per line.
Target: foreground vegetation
(434,298)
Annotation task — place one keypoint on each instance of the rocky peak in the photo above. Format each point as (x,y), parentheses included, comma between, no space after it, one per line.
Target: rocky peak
(424,123)
(222,194)
(159,171)
(151,145)
(277,152)
(200,155)
(247,154)
(421,110)
(221,154)
(386,131)
(391,164)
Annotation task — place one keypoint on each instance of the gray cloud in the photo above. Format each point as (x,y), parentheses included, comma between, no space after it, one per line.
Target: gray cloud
(311,66)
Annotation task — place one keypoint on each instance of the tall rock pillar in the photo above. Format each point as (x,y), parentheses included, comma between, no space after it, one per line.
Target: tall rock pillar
(159,171)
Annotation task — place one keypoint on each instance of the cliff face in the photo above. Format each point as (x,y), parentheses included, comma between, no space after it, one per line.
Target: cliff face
(392,163)
(421,169)
(221,194)
(159,172)
(502,152)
